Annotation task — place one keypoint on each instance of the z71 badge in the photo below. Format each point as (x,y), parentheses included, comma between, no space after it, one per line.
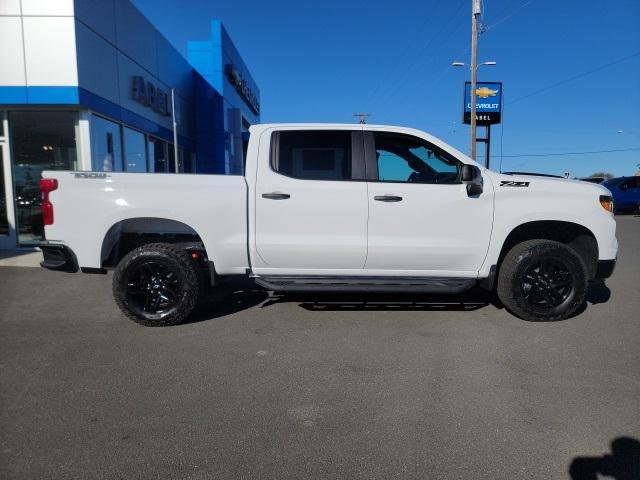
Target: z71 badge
(511,183)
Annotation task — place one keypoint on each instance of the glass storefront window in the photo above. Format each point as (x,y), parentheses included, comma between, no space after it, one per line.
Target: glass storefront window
(39,141)
(158,155)
(106,145)
(135,151)
(172,158)
(186,161)
(180,160)
(4,221)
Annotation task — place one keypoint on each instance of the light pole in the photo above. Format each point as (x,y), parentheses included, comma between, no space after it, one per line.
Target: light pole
(474,76)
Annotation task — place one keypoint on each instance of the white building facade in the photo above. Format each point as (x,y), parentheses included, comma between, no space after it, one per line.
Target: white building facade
(88,85)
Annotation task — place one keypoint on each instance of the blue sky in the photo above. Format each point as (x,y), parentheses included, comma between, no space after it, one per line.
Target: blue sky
(321,61)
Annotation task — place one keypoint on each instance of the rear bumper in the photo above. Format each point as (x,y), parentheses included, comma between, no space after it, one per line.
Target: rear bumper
(58,257)
(605,268)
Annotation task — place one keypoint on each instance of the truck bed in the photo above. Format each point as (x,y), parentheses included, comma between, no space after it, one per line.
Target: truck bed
(92,207)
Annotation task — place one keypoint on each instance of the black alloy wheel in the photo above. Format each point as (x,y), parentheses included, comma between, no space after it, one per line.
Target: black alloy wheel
(542,280)
(547,284)
(158,284)
(153,288)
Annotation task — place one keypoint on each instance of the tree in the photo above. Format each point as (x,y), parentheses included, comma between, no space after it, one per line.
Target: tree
(606,175)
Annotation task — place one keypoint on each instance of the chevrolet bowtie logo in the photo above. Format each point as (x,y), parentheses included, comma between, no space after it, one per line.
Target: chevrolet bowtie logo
(484,92)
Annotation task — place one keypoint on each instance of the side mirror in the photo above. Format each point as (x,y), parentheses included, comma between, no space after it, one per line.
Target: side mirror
(471,175)
(474,189)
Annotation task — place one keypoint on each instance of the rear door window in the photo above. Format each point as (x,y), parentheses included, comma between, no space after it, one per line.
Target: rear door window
(313,155)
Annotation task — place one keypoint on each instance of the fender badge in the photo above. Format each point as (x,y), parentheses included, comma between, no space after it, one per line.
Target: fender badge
(511,183)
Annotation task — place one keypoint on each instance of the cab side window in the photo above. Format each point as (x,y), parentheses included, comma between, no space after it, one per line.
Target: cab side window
(404,158)
(313,155)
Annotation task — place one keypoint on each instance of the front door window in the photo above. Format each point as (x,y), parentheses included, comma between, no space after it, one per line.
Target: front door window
(403,158)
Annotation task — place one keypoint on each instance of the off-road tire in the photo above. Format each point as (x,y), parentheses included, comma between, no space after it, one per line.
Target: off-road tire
(514,275)
(170,258)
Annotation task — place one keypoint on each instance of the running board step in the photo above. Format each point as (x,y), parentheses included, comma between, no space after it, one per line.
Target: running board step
(282,283)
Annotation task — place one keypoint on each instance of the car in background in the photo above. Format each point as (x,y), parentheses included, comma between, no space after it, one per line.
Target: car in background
(625,192)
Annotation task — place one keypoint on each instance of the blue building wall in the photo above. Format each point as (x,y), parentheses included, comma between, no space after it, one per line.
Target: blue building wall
(210,137)
(240,102)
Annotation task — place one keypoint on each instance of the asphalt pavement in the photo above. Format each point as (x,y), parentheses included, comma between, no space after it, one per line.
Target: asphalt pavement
(293,387)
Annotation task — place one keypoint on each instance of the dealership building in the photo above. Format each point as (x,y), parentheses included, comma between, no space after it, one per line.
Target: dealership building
(93,85)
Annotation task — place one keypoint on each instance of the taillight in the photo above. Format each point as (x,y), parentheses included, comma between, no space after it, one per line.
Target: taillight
(47,185)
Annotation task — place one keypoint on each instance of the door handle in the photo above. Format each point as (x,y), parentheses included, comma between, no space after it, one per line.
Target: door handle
(387,198)
(276,196)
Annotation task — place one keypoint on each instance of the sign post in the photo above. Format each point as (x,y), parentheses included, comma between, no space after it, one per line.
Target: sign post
(488,109)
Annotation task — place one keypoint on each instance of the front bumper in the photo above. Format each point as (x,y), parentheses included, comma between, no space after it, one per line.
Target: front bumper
(58,257)
(605,268)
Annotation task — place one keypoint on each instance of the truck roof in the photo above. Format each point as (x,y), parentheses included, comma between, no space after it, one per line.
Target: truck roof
(325,125)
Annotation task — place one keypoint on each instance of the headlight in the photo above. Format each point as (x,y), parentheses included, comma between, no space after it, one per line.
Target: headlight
(607,202)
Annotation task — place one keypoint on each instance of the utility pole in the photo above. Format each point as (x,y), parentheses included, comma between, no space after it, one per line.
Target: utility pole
(475,11)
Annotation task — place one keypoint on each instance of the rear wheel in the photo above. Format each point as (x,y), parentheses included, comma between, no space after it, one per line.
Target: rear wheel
(157,285)
(542,280)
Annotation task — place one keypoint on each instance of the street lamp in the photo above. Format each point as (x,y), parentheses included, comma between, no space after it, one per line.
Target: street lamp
(490,63)
(474,73)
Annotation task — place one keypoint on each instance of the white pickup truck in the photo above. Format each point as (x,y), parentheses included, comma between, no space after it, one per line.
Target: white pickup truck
(324,207)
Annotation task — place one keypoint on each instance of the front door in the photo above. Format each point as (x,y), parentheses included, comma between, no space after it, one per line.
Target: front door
(421,220)
(310,203)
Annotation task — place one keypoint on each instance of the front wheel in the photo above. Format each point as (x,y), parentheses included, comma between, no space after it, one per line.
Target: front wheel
(542,280)
(156,285)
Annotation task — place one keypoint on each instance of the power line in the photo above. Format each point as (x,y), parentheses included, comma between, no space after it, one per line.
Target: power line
(554,154)
(407,73)
(437,78)
(504,19)
(400,58)
(575,77)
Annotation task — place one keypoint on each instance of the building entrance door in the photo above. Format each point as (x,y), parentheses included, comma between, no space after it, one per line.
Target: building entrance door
(7,224)
(40,140)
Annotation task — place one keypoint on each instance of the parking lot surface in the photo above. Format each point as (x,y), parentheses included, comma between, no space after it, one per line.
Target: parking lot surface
(331,386)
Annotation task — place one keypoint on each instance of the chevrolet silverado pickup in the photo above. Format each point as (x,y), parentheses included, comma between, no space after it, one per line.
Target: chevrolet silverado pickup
(332,207)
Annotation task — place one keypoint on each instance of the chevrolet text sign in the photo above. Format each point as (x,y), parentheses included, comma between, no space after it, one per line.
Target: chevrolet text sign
(488,102)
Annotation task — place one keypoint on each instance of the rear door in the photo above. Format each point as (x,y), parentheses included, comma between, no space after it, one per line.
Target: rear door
(421,219)
(310,202)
